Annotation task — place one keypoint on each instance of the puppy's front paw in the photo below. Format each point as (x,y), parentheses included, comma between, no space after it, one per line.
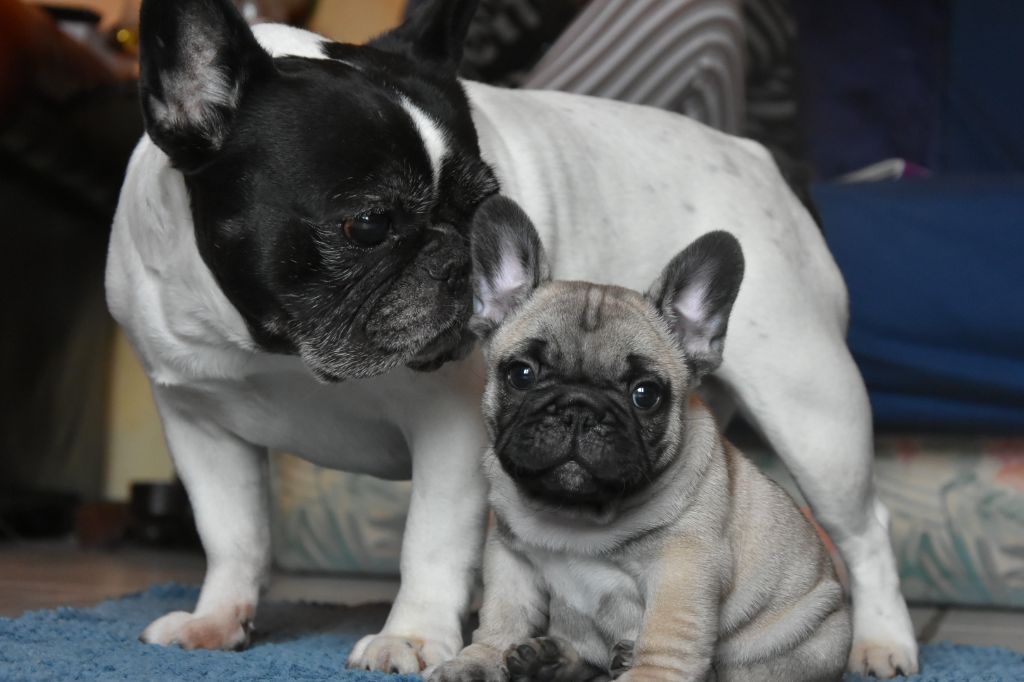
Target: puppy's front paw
(226,629)
(544,659)
(464,670)
(622,658)
(403,655)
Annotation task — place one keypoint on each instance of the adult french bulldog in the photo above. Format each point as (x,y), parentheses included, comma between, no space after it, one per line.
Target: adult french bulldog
(621,514)
(291,248)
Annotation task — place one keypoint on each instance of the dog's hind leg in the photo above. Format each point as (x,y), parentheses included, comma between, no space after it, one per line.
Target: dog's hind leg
(821,658)
(806,396)
(226,482)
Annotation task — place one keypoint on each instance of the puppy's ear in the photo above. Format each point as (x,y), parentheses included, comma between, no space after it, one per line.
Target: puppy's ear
(695,293)
(435,32)
(508,262)
(196,59)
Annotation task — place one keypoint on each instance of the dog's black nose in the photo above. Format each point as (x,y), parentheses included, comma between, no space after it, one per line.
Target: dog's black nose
(582,409)
(458,277)
(454,273)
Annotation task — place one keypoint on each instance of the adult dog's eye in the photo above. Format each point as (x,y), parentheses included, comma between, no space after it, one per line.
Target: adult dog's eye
(521,376)
(646,395)
(368,229)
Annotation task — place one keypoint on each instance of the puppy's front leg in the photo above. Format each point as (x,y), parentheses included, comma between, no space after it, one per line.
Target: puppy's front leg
(226,482)
(514,609)
(443,539)
(680,628)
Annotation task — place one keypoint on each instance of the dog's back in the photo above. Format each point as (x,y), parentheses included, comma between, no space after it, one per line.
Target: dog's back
(612,187)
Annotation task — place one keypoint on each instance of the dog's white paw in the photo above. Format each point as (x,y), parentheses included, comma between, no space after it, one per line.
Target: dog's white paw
(883,659)
(402,655)
(883,636)
(225,629)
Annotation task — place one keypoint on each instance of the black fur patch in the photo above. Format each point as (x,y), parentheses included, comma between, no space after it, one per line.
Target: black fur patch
(302,147)
(500,228)
(712,265)
(571,440)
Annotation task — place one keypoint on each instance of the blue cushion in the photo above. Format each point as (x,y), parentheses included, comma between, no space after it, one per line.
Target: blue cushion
(936,280)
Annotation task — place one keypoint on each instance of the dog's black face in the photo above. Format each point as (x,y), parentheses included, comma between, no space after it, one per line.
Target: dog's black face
(331,197)
(566,437)
(582,404)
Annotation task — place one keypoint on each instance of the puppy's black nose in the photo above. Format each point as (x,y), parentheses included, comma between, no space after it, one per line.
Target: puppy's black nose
(580,408)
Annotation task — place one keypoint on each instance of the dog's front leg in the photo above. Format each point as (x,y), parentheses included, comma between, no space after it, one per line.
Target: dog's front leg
(680,628)
(442,544)
(226,482)
(514,609)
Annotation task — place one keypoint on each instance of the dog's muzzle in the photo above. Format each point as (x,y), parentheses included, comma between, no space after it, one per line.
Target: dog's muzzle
(572,450)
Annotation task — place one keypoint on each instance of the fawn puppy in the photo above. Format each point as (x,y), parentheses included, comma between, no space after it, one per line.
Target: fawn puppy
(631,540)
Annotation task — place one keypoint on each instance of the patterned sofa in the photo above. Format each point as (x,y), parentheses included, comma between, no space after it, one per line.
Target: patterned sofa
(957,517)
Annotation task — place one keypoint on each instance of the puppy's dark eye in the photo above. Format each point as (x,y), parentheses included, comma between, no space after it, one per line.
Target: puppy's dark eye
(646,395)
(368,229)
(521,376)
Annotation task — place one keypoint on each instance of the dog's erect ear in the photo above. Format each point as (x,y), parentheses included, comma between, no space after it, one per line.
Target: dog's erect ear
(435,32)
(508,262)
(695,293)
(196,59)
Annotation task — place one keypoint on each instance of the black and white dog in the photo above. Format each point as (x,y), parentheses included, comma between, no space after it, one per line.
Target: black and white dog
(291,251)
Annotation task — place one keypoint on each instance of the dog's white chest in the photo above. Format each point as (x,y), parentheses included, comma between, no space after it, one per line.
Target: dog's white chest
(593,603)
(333,425)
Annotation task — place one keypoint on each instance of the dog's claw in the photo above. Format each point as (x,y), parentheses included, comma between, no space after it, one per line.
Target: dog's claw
(526,652)
(399,655)
(622,657)
(882,660)
(227,629)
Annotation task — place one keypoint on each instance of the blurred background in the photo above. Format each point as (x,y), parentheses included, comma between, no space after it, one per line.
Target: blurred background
(900,122)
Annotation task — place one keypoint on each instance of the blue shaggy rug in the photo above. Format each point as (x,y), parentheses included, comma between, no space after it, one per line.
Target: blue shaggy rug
(291,642)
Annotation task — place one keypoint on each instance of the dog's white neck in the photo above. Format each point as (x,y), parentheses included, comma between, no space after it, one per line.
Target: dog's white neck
(160,283)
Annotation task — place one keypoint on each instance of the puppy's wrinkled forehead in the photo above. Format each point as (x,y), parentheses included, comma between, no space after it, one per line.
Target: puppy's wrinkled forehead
(587,330)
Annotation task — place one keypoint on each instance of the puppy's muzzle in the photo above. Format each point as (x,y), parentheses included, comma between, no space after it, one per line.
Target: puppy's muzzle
(571,447)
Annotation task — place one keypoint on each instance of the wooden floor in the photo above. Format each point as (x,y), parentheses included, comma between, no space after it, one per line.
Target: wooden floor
(45,575)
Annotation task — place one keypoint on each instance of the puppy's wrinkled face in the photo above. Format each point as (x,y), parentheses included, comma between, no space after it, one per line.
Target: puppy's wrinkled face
(584,391)
(587,384)
(332,192)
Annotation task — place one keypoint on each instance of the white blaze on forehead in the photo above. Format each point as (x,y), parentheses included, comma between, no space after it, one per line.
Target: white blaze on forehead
(281,40)
(287,41)
(434,139)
